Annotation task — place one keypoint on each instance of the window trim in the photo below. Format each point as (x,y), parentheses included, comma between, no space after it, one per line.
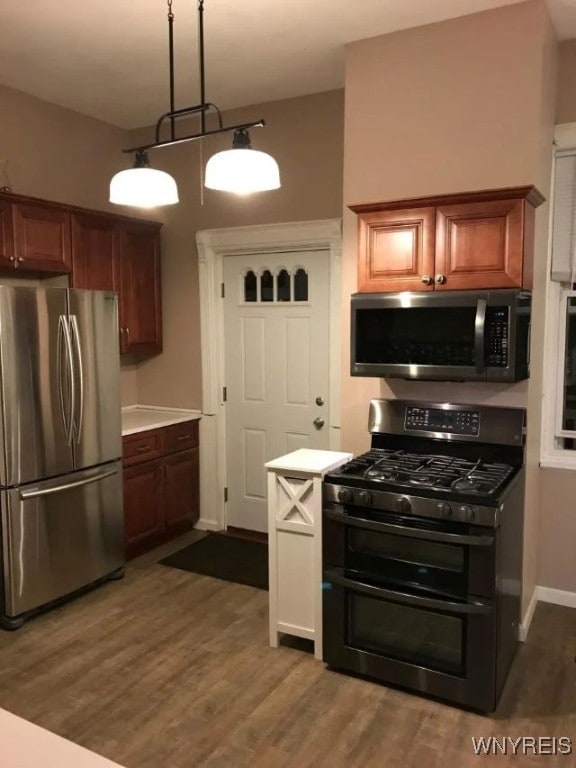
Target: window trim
(555,336)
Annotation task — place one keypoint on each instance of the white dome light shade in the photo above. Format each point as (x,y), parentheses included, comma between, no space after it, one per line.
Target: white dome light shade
(143,187)
(242,170)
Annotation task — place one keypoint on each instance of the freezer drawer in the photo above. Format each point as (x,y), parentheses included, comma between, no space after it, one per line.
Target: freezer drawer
(60,535)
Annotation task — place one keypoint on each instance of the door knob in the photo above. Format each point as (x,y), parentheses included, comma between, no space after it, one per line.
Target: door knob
(440,279)
(319,401)
(426,279)
(318,422)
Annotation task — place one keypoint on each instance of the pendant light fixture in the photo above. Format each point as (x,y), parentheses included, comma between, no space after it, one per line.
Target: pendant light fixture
(242,170)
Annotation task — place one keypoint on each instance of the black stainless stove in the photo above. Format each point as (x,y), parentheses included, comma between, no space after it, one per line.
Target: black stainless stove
(422,551)
(449,461)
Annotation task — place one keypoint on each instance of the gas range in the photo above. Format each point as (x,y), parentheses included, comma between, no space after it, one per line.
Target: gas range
(422,551)
(454,462)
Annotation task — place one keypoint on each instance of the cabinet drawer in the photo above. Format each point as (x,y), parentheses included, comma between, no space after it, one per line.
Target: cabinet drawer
(143,446)
(179,437)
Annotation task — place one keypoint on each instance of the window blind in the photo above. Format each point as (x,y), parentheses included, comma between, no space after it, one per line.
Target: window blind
(564,217)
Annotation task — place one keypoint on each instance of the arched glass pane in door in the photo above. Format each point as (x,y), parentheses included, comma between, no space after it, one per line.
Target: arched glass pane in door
(301,285)
(266,286)
(250,291)
(283,286)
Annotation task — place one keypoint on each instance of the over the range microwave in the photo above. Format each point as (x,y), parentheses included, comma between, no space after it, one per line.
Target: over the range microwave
(442,336)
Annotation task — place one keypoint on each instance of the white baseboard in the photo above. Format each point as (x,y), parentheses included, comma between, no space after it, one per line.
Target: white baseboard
(557,596)
(207,525)
(528,616)
(546,595)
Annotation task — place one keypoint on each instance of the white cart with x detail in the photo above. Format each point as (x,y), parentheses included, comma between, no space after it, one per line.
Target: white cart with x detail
(295,542)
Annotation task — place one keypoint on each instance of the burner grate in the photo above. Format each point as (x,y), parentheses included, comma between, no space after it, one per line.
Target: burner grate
(447,473)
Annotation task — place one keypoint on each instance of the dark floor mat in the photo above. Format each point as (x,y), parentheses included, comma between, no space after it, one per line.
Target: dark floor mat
(225,557)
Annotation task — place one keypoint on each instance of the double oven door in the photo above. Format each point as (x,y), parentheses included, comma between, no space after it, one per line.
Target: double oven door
(411,601)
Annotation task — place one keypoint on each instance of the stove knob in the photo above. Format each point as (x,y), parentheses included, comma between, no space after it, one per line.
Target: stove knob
(403,504)
(444,509)
(365,498)
(345,495)
(467,513)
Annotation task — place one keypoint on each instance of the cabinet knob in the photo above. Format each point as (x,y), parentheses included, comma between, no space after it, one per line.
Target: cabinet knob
(20,259)
(11,258)
(318,423)
(426,279)
(440,279)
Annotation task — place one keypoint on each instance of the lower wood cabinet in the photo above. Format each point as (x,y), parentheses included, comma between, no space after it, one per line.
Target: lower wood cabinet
(143,518)
(161,494)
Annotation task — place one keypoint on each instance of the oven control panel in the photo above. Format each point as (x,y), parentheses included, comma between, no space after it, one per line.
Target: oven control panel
(457,422)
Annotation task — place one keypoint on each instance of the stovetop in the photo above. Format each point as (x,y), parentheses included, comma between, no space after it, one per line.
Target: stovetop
(389,469)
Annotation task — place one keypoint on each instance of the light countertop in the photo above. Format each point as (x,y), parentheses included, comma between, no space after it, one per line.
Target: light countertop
(25,745)
(309,460)
(140,418)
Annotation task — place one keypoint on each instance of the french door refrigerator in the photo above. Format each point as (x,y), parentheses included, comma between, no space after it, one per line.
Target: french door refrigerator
(60,443)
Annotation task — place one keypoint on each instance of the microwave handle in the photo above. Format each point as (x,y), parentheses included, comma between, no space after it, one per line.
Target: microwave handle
(479,336)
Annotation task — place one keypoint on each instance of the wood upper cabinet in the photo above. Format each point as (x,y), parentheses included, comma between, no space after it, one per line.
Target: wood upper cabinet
(476,240)
(42,237)
(6,235)
(396,250)
(140,289)
(95,251)
(102,251)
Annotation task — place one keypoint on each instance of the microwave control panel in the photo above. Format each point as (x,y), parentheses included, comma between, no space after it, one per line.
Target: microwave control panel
(464,422)
(497,337)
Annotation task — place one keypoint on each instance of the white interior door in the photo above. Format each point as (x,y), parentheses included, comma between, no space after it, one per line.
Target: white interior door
(276,316)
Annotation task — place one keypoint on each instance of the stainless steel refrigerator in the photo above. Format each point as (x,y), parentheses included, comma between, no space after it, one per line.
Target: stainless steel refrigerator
(60,445)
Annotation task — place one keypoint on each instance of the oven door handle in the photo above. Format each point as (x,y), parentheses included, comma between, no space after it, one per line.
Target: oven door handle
(336,576)
(412,533)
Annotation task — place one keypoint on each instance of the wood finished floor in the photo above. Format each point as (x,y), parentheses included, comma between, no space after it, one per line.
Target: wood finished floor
(171,669)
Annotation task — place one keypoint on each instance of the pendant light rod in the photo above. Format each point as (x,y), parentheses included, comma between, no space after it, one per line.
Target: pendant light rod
(195,136)
(171,68)
(202,108)
(201,63)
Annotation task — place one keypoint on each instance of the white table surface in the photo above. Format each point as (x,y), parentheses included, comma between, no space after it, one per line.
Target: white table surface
(25,745)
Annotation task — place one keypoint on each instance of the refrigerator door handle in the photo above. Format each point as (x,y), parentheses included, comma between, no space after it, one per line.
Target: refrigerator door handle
(80,370)
(65,362)
(34,493)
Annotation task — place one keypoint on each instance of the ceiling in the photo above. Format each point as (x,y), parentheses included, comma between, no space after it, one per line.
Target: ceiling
(108,59)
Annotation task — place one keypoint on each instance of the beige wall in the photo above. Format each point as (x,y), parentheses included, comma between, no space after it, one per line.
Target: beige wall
(305,135)
(566,101)
(462,105)
(556,567)
(60,155)
(558,530)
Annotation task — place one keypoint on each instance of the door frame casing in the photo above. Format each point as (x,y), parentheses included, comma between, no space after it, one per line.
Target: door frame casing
(213,246)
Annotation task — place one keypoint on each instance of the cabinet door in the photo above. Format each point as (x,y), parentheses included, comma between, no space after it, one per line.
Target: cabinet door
(140,291)
(42,238)
(181,490)
(479,245)
(143,515)
(6,235)
(396,250)
(94,253)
